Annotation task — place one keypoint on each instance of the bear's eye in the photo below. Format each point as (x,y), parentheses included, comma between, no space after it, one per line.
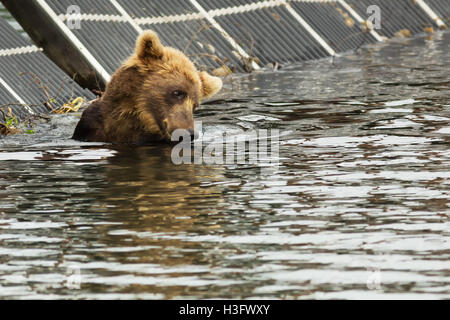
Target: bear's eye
(179,94)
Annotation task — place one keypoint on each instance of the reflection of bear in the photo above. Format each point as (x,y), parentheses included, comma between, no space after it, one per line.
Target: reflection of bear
(152,94)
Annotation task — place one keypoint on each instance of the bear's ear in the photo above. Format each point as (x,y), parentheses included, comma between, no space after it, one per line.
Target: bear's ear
(148,46)
(210,85)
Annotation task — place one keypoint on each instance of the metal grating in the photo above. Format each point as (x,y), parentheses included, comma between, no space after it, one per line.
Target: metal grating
(334,24)
(222,4)
(266,30)
(86,6)
(153,9)
(243,34)
(111,39)
(441,8)
(25,71)
(273,35)
(110,43)
(396,15)
(10,39)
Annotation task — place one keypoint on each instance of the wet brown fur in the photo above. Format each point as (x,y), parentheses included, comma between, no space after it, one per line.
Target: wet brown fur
(142,103)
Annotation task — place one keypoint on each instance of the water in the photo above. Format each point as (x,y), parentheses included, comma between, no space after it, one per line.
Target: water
(359,206)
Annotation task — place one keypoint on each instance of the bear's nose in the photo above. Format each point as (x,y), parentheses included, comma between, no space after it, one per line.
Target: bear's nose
(194,134)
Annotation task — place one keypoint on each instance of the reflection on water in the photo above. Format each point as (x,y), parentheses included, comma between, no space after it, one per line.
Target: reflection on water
(358,208)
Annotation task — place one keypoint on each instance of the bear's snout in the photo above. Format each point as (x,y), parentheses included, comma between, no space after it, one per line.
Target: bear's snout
(180,118)
(189,132)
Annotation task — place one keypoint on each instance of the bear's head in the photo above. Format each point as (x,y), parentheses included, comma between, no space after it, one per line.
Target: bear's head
(168,87)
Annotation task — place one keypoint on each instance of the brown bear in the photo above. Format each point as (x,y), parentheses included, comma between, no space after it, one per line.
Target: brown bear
(152,94)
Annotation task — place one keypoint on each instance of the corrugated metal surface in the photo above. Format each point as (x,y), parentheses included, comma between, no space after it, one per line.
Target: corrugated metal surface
(10,39)
(86,6)
(146,8)
(220,4)
(5,96)
(271,35)
(396,15)
(441,8)
(334,24)
(32,76)
(109,42)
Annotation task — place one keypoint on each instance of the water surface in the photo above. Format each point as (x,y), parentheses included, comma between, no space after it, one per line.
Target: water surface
(358,208)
